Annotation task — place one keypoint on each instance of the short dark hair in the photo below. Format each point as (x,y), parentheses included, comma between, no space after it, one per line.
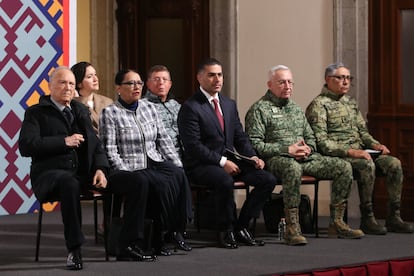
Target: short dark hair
(157,68)
(207,62)
(119,77)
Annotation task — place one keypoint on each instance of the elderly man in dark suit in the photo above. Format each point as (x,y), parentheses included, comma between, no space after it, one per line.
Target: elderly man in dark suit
(209,126)
(67,157)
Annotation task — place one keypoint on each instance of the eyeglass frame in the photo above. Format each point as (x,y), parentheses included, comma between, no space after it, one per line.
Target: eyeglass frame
(342,77)
(132,84)
(158,79)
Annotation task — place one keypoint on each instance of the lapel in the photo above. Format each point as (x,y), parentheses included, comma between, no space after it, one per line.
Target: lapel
(210,114)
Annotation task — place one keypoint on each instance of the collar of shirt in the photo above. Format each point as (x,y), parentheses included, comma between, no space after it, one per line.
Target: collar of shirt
(60,106)
(211,98)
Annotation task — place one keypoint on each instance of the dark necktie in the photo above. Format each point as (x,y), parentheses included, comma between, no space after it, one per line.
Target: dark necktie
(218,114)
(68,114)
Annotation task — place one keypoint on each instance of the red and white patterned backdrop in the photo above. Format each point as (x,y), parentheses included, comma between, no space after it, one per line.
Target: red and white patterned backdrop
(35,36)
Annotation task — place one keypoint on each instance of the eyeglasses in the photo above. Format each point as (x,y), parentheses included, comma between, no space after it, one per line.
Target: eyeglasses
(158,79)
(283,82)
(132,84)
(343,78)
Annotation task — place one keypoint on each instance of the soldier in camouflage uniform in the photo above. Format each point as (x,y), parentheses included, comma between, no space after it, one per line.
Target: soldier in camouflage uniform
(340,130)
(159,84)
(281,135)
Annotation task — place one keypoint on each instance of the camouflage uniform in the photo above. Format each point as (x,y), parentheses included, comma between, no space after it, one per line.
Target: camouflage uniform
(168,112)
(339,126)
(273,124)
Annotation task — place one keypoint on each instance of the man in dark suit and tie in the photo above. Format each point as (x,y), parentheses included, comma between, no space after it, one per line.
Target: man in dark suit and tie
(67,158)
(209,126)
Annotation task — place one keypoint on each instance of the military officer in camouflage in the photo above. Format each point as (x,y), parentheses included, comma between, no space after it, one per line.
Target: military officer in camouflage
(340,130)
(281,135)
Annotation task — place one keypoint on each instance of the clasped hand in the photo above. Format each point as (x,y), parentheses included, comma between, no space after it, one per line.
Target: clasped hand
(74,141)
(299,150)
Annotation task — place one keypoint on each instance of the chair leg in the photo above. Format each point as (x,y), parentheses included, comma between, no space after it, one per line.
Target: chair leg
(95,219)
(106,223)
(197,210)
(346,213)
(39,230)
(315,209)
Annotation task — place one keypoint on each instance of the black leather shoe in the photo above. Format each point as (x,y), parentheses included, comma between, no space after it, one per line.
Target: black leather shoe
(163,251)
(227,240)
(179,240)
(134,253)
(245,237)
(74,260)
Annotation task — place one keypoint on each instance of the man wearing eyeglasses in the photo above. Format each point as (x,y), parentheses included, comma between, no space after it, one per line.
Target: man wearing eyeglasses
(341,131)
(158,92)
(281,135)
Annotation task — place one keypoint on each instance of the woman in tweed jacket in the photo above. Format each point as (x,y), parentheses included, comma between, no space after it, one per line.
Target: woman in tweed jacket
(138,145)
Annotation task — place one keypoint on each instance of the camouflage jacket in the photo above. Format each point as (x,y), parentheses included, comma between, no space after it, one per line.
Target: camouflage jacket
(168,112)
(273,124)
(338,124)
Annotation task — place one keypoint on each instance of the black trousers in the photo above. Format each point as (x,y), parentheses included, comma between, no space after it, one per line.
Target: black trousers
(221,183)
(169,197)
(64,186)
(133,188)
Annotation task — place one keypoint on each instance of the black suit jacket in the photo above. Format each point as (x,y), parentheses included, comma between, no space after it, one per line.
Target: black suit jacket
(42,137)
(204,141)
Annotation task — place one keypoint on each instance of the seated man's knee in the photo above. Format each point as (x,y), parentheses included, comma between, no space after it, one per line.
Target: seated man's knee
(69,183)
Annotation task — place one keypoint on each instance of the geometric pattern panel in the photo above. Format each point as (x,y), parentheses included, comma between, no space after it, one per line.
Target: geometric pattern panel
(34,42)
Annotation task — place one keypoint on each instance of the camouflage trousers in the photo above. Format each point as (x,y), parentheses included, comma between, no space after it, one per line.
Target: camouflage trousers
(366,170)
(290,171)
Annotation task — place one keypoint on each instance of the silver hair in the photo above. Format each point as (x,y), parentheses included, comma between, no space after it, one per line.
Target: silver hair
(57,69)
(276,68)
(331,68)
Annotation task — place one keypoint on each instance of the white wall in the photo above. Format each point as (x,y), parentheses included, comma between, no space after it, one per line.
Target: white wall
(296,33)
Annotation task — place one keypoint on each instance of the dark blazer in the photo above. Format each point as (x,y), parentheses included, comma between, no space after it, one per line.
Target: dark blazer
(42,138)
(204,141)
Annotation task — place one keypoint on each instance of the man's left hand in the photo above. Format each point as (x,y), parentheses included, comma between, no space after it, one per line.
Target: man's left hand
(259,163)
(382,148)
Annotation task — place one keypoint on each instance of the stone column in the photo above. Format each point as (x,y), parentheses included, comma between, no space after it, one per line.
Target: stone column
(104,50)
(351,48)
(223,41)
(351,45)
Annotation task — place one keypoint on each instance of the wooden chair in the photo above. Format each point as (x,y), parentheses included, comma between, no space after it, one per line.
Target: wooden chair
(87,196)
(198,189)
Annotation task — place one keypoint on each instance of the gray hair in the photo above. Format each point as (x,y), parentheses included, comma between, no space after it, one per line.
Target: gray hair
(276,68)
(331,68)
(58,69)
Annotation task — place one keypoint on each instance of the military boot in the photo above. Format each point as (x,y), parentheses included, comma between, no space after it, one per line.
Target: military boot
(369,224)
(394,221)
(293,234)
(337,227)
